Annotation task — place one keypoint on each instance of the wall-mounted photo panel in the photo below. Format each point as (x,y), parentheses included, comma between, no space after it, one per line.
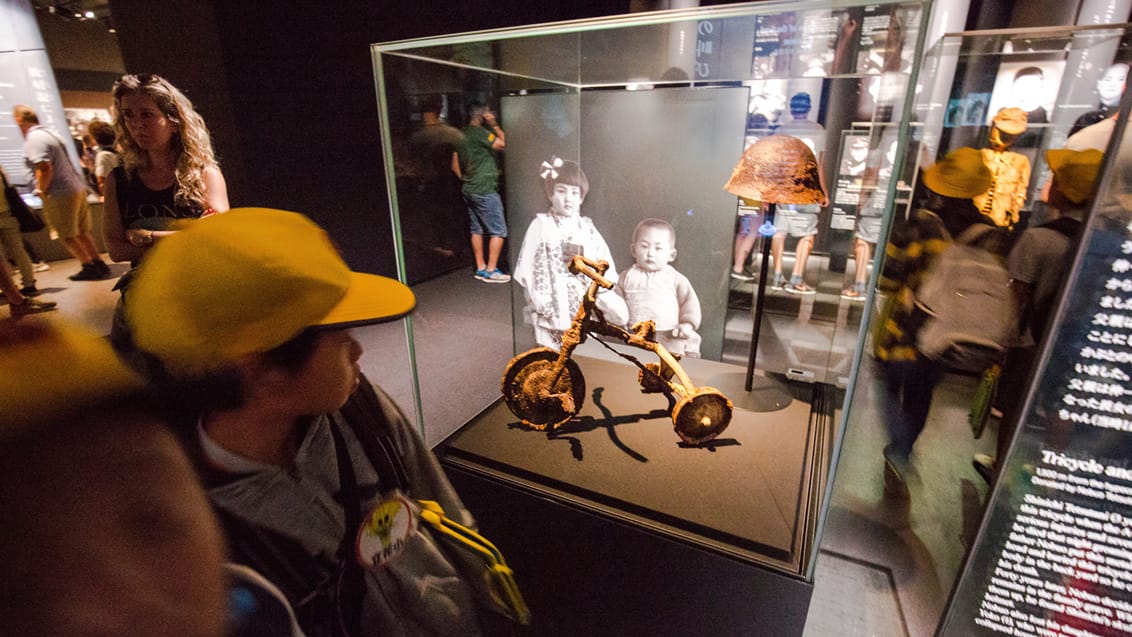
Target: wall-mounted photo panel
(975,109)
(776,43)
(802,44)
(852,166)
(767,108)
(885,45)
(956,112)
(1030,86)
(854,158)
(968,110)
(881,97)
(819,50)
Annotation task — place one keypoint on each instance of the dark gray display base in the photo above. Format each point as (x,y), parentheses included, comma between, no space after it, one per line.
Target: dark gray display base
(751,494)
(587,574)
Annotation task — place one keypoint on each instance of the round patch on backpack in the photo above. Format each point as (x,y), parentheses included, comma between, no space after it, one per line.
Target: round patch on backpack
(384,531)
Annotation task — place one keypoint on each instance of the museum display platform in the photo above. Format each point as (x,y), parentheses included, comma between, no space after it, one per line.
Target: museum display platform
(752,493)
(630,520)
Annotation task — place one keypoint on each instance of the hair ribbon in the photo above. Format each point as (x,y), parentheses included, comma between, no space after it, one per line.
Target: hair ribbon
(550,169)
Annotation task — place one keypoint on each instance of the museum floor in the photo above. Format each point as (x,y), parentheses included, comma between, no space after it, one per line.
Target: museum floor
(885,566)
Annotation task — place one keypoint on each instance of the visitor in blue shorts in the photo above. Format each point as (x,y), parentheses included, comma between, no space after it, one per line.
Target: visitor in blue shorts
(474,163)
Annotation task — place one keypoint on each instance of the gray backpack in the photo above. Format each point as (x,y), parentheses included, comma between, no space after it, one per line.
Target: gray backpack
(970,314)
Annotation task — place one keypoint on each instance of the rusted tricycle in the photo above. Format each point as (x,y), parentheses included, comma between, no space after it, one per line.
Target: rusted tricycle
(545,388)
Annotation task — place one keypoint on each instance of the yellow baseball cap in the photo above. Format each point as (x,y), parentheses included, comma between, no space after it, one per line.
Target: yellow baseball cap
(47,367)
(960,174)
(245,282)
(1074,172)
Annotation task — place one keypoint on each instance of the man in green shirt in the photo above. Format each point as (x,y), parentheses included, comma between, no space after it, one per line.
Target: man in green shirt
(474,163)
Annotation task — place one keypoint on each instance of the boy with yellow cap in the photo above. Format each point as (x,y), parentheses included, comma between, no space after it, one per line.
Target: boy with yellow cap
(316,475)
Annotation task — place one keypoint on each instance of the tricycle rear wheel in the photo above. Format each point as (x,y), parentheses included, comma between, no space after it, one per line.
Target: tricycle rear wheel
(538,393)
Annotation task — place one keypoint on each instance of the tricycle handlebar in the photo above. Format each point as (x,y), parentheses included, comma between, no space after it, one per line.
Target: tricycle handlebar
(591,268)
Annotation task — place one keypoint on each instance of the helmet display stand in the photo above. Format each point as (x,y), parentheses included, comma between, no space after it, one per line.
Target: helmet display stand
(776,169)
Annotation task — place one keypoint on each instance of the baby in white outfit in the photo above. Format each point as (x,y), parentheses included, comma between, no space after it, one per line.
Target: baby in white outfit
(653,289)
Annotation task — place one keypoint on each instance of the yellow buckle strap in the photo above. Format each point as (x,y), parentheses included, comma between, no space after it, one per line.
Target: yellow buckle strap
(500,578)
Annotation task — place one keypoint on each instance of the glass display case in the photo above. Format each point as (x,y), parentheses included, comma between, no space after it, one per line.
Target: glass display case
(1051,554)
(613,135)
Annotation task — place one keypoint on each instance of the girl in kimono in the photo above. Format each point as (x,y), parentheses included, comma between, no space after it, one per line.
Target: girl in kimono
(553,294)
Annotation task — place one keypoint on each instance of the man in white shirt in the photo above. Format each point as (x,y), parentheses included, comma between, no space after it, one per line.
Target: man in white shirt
(63,192)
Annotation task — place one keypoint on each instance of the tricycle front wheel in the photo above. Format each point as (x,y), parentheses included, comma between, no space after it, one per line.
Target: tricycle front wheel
(701,416)
(541,393)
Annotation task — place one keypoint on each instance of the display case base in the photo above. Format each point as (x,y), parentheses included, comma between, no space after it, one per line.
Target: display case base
(587,574)
(752,493)
(766,394)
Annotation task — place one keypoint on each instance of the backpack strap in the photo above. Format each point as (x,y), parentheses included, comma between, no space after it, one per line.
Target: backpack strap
(972,233)
(365,416)
(1067,226)
(353,587)
(319,589)
(284,561)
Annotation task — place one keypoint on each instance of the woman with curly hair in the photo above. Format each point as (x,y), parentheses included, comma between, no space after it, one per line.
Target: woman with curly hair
(166,176)
(168,171)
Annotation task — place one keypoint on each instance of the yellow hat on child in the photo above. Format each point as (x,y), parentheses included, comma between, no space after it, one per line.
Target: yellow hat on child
(245,282)
(52,366)
(1074,172)
(961,174)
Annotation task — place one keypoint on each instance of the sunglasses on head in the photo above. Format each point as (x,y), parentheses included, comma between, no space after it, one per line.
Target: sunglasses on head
(143,79)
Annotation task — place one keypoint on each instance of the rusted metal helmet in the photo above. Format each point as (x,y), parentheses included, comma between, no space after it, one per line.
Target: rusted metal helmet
(777,169)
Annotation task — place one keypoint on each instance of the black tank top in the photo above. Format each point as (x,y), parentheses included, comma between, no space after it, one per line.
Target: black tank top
(139,205)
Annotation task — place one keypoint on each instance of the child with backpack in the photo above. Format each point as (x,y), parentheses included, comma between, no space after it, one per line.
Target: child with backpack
(908,375)
(321,484)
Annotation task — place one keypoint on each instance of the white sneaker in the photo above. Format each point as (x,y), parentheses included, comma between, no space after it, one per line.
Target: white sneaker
(42,266)
(495,276)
